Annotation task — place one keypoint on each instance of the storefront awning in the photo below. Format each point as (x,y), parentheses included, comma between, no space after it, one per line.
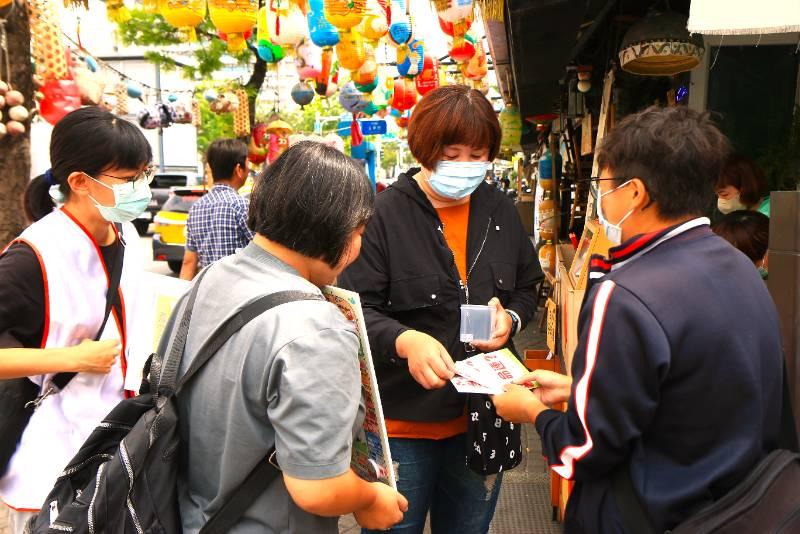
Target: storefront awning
(744,17)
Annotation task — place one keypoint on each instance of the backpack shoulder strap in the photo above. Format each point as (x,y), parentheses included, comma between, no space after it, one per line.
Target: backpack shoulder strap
(233,324)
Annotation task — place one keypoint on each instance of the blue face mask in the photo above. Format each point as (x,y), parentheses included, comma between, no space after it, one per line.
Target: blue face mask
(457,179)
(130,201)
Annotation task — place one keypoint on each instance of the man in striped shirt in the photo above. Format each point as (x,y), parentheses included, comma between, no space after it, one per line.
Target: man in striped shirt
(217,224)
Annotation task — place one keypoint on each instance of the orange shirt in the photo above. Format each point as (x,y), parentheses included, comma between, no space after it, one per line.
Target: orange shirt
(455,220)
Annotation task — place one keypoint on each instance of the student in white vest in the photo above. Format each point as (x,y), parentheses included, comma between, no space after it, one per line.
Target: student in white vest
(53,283)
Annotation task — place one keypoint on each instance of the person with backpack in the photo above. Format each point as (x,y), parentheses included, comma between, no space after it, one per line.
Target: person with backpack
(71,276)
(676,388)
(290,378)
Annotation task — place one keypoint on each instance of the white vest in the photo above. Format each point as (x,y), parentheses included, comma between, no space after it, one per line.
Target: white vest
(75,283)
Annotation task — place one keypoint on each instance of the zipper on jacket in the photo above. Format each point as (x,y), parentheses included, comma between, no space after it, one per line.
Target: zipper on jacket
(464,285)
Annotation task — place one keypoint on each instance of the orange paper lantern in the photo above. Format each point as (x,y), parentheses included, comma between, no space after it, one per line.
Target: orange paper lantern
(405,94)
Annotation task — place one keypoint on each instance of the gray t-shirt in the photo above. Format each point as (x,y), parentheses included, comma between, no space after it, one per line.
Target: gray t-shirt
(289,378)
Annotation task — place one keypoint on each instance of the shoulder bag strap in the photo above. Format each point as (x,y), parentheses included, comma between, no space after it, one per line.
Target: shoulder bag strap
(112,296)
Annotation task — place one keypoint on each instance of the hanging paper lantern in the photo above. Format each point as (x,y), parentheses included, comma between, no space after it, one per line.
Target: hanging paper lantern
(279,132)
(150,6)
(234,18)
(60,97)
(366,77)
(405,94)
(476,68)
(302,94)
(352,99)
(184,15)
(376,21)
(456,29)
(241,115)
(428,79)
(287,24)
(210,95)
(259,144)
(411,59)
(323,79)
(660,45)
(117,12)
(511,127)
(350,50)
(400,31)
(122,99)
(464,51)
(345,14)
(308,59)
(91,64)
(322,32)
(134,90)
(270,52)
(403,120)
(48,52)
(454,10)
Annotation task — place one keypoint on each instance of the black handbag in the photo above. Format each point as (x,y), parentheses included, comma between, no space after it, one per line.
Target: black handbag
(19,397)
(493,444)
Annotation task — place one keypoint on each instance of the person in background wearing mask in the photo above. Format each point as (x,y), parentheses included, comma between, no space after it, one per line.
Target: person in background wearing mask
(53,283)
(441,237)
(217,224)
(742,186)
(676,379)
(748,231)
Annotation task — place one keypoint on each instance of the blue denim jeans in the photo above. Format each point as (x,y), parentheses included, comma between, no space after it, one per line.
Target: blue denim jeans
(433,475)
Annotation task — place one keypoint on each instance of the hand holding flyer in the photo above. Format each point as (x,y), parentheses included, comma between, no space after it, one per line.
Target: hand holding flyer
(487,373)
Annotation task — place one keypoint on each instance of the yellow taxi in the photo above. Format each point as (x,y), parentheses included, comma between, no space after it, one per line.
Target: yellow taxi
(169,230)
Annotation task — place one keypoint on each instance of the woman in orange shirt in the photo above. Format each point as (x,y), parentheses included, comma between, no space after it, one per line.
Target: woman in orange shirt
(441,237)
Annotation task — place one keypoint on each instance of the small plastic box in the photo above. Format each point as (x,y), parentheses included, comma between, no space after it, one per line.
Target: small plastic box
(476,323)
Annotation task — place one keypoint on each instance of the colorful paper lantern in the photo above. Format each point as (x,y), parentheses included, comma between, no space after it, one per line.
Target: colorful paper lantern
(350,50)
(48,52)
(511,127)
(302,94)
(278,139)
(376,21)
(322,32)
(476,68)
(270,52)
(453,11)
(259,144)
(463,51)
(117,12)
(366,77)
(352,99)
(455,29)
(411,59)
(184,15)
(428,79)
(405,94)
(345,14)
(234,18)
(134,90)
(287,24)
(400,30)
(308,60)
(323,80)
(60,98)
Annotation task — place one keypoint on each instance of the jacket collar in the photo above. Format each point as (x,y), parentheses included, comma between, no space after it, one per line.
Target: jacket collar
(637,246)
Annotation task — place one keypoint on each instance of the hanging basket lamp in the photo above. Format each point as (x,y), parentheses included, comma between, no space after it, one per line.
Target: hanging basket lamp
(660,45)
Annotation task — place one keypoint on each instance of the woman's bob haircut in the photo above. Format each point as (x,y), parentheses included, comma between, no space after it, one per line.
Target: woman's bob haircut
(452,115)
(311,200)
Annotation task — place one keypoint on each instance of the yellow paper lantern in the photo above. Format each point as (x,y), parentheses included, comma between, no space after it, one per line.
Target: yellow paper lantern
(345,14)
(48,51)
(368,71)
(286,23)
(350,50)
(262,27)
(117,12)
(375,23)
(234,18)
(184,15)
(510,126)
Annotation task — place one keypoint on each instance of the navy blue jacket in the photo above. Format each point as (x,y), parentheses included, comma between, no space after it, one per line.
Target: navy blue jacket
(677,371)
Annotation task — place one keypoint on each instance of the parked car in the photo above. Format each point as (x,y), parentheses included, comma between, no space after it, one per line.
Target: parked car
(169,230)
(163,183)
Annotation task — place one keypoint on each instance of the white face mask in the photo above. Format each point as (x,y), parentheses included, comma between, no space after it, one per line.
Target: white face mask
(730,205)
(613,231)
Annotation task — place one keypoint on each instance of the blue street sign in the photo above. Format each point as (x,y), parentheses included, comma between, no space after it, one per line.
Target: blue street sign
(368,127)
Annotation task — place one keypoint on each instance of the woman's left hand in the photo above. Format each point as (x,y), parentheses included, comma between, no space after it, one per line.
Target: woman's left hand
(501,329)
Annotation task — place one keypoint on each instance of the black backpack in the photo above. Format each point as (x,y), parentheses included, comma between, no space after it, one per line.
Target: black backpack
(767,500)
(123,479)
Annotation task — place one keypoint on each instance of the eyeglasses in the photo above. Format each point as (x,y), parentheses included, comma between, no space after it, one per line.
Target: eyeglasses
(145,176)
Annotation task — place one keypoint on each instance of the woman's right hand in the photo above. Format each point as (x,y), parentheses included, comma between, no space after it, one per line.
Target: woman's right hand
(385,511)
(554,388)
(93,356)
(428,361)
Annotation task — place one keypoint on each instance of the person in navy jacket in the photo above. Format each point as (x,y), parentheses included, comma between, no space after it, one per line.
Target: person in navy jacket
(678,371)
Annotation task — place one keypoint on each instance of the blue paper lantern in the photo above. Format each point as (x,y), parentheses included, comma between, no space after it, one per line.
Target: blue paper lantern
(172,98)
(269,51)
(323,33)
(134,91)
(414,62)
(302,94)
(91,64)
(352,99)
(400,31)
